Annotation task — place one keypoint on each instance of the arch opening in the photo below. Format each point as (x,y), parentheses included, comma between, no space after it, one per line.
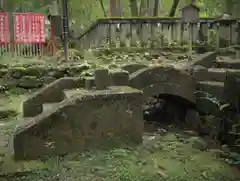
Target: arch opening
(165,109)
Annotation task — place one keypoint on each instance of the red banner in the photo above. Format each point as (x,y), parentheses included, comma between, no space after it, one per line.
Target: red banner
(29,28)
(4,28)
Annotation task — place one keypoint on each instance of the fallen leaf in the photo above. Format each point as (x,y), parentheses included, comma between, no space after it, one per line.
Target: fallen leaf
(204,174)
(160,172)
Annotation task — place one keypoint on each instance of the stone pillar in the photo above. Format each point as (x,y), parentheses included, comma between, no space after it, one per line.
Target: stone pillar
(237,50)
(101,78)
(193,119)
(119,78)
(89,83)
(31,108)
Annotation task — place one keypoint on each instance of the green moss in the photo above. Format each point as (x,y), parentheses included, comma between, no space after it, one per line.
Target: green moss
(158,159)
(19,68)
(148,17)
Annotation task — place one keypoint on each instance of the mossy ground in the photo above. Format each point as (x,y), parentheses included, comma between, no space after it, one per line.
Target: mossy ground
(168,157)
(162,157)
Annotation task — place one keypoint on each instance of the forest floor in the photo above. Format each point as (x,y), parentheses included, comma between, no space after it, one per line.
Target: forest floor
(166,154)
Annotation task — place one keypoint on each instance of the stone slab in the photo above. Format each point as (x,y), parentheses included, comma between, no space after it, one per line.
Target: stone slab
(91,119)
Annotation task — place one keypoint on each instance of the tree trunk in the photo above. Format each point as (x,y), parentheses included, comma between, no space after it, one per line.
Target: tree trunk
(103,9)
(112,7)
(119,8)
(156,8)
(115,8)
(229,6)
(133,7)
(173,8)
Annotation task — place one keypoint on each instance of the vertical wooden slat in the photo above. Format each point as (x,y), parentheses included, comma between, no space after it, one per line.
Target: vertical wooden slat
(162,35)
(131,39)
(238,32)
(190,38)
(109,36)
(230,34)
(181,32)
(118,34)
(209,34)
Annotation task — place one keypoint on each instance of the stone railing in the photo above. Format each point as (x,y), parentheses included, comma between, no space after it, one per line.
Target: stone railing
(160,33)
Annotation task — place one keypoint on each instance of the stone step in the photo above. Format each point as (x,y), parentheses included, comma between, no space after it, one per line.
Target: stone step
(229,63)
(212,89)
(211,74)
(49,106)
(71,92)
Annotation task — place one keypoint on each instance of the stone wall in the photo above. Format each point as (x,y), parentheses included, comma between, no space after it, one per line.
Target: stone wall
(103,118)
(36,76)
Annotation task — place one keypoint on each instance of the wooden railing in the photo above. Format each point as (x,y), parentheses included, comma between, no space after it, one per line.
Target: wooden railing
(160,33)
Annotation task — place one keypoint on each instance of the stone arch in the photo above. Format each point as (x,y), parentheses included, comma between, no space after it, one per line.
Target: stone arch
(131,68)
(164,80)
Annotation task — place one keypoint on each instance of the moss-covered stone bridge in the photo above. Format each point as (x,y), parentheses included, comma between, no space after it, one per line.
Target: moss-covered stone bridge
(107,107)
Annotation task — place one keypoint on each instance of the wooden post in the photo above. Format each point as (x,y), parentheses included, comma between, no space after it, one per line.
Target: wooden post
(190,46)
(65,27)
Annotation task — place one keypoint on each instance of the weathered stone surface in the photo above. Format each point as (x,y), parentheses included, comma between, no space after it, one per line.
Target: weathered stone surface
(77,69)
(232,87)
(213,126)
(37,71)
(193,119)
(198,143)
(32,76)
(5,113)
(89,82)
(50,93)
(101,78)
(104,118)
(206,59)
(211,74)
(16,72)
(228,63)
(119,78)
(48,80)
(57,73)
(3,66)
(3,72)
(212,89)
(29,82)
(208,96)
(164,80)
(131,68)
(31,108)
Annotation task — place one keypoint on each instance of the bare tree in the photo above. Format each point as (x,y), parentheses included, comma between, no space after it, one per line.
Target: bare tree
(103,9)
(133,7)
(173,8)
(156,8)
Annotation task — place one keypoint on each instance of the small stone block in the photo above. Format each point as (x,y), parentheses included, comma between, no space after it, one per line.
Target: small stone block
(238,54)
(119,78)
(31,109)
(89,83)
(101,78)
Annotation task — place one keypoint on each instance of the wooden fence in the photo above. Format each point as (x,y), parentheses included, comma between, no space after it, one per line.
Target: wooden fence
(160,33)
(8,45)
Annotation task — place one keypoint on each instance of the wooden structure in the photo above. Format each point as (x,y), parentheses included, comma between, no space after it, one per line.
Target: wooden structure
(155,33)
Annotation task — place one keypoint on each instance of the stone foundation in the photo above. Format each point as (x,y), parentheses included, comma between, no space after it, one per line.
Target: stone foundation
(93,119)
